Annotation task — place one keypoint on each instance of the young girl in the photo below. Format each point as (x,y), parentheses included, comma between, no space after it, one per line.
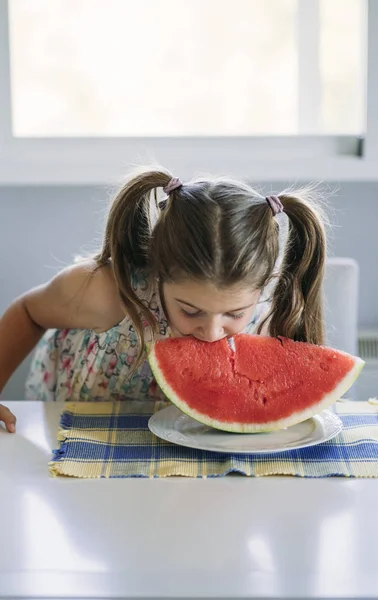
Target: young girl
(196,263)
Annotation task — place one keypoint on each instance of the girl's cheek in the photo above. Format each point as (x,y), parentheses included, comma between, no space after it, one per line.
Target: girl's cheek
(179,324)
(183,326)
(239,326)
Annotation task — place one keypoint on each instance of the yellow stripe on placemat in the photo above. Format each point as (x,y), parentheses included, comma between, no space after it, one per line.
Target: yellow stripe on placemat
(107,408)
(92,449)
(130,437)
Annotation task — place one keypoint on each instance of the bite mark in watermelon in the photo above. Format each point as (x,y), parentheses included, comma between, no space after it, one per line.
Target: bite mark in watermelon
(259,384)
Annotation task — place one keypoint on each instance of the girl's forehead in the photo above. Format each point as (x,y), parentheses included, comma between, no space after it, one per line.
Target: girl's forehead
(209,298)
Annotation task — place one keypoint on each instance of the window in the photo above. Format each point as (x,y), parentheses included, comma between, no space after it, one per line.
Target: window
(261,89)
(186,68)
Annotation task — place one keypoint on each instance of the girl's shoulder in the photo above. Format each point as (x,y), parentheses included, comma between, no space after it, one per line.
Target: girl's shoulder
(82,296)
(96,293)
(106,294)
(93,295)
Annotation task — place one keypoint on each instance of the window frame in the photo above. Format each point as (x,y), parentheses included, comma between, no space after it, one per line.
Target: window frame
(100,160)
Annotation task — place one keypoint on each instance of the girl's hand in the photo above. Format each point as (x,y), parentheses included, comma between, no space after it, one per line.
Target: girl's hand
(8,418)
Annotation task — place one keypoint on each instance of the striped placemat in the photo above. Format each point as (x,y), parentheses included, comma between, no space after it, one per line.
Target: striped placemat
(113,440)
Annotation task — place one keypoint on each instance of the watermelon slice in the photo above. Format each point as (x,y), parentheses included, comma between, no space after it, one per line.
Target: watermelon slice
(251,383)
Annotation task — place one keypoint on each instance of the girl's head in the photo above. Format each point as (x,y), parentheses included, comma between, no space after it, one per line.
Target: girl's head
(213,245)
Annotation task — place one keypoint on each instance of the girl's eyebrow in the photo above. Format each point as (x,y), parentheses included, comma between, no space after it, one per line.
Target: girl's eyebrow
(200,309)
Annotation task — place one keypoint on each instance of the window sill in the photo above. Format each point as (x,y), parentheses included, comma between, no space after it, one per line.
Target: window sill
(68,161)
(337,169)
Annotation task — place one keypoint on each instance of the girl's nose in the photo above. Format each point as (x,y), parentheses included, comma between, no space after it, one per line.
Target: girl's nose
(212,331)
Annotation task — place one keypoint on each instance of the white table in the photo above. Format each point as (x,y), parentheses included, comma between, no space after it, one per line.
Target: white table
(233,537)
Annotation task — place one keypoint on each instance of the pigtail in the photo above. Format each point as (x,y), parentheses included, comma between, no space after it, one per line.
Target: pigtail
(297,303)
(126,244)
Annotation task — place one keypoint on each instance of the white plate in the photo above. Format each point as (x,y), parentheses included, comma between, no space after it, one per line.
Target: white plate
(174,426)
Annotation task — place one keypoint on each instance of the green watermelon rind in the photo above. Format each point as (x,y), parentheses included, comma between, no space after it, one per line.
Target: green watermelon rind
(235,427)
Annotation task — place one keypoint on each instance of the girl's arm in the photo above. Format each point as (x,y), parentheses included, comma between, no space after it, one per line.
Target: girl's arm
(18,336)
(78,297)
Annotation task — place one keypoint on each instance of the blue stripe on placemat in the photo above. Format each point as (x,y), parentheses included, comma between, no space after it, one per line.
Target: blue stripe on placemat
(358,420)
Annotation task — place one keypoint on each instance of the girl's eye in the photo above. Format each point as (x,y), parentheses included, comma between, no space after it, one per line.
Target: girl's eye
(199,313)
(238,316)
(188,314)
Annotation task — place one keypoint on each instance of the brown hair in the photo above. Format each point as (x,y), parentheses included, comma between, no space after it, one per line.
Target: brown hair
(220,231)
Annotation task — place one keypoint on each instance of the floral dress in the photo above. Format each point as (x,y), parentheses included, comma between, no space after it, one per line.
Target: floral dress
(81,365)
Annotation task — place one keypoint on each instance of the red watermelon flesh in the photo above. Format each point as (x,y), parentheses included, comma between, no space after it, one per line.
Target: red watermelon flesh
(254,383)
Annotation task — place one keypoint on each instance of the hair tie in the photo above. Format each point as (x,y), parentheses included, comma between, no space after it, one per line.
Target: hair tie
(174,184)
(275,204)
